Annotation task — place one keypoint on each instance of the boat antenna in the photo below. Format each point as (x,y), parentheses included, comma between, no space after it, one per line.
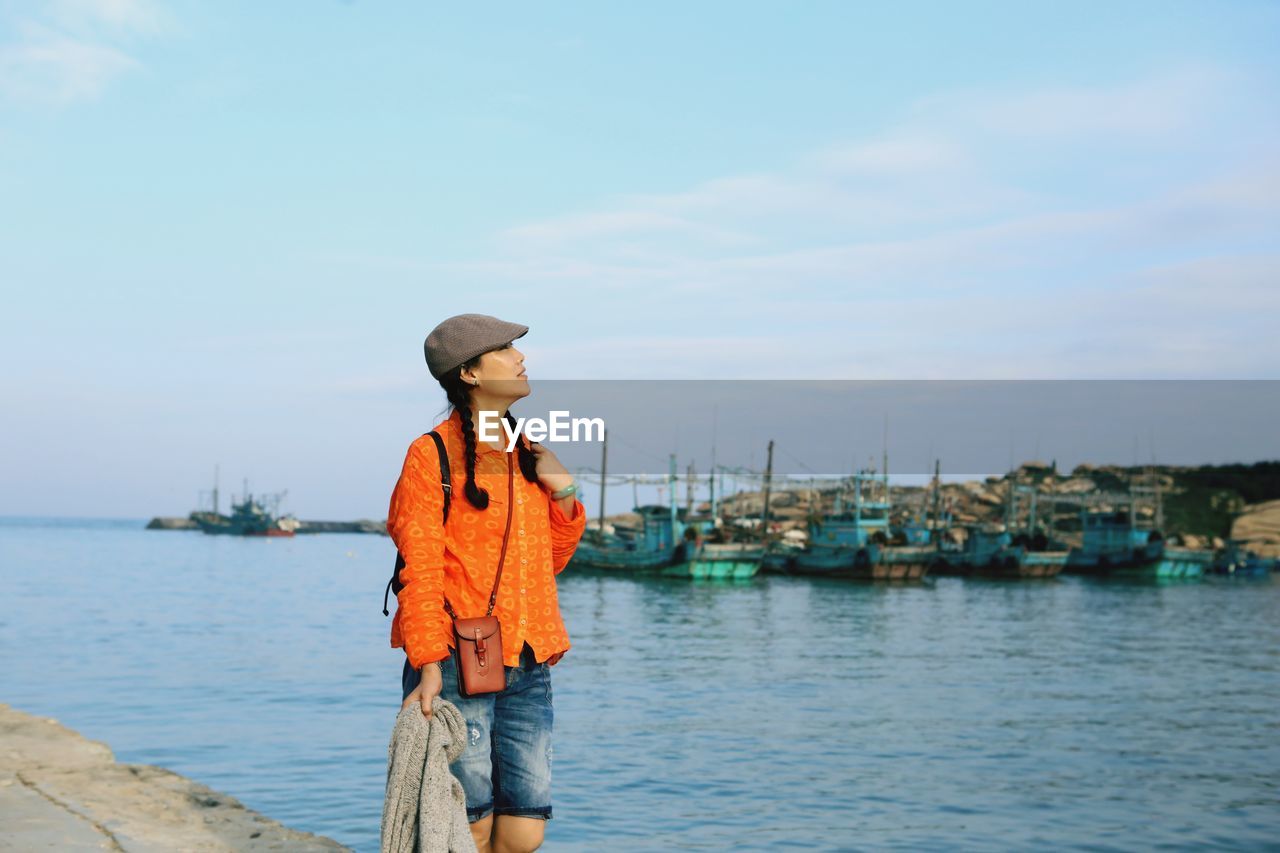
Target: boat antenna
(714,506)
(768,482)
(671,494)
(1155,481)
(884,452)
(937,493)
(604,473)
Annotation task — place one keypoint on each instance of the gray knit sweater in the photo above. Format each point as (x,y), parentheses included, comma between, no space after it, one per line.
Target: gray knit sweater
(426,809)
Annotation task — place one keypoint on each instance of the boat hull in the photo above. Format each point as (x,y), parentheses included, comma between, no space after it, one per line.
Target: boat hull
(1166,562)
(714,569)
(868,564)
(714,561)
(778,562)
(1021,564)
(606,559)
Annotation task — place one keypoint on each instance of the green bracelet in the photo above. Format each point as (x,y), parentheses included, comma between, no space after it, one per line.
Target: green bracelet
(570,489)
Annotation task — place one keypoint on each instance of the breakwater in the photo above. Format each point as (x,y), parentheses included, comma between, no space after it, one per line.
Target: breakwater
(62,791)
(363,525)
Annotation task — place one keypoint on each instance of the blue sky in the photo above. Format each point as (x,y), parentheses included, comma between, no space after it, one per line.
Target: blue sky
(225,228)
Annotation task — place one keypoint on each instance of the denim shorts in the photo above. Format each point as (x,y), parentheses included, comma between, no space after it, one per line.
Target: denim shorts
(506,767)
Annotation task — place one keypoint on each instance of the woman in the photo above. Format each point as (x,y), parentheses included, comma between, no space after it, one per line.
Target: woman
(506,767)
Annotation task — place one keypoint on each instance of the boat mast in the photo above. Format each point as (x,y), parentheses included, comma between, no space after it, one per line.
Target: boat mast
(671,494)
(1009,498)
(937,495)
(604,470)
(884,456)
(714,505)
(1155,485)
(215,489)
(688,491)
(768,483)
(884,474)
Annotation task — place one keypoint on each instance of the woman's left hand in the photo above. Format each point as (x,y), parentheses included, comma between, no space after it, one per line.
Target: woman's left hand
(551,471)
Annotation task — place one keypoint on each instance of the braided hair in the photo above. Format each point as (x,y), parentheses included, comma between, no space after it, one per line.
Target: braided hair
(459,394)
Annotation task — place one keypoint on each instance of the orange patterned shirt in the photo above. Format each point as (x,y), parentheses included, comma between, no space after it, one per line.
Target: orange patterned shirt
(460,560)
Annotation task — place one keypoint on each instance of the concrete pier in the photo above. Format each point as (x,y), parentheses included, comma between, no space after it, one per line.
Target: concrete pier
(61,791)
(363,525)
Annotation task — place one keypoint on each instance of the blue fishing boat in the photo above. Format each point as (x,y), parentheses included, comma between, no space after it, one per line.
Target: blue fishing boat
(717,561)
(1238,561)
(1116,544)
(778,557)
(993,552)
(853,542)
(1027,558)
(647,548)
(668,541)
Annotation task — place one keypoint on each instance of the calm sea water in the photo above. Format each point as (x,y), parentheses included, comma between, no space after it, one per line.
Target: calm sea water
(779,713)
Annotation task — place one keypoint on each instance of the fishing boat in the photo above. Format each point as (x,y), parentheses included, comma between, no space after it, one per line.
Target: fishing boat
(993,552)
(1116,544)
(1035,556)
(1130,542)
(853,542)
(1018,549)
(647,548)
(779,555)
(718,561)
(1236,560)
(249,517)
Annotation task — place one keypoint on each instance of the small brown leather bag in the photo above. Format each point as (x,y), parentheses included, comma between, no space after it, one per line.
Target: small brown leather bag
(477,649)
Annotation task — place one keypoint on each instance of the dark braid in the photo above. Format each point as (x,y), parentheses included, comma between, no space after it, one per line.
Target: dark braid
(528,462)
(456,390)
(459,397)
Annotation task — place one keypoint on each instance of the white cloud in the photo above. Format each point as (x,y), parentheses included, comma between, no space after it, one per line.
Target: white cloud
(591,226)
(942,235)
(1148,108)
(902,155)
(74,50)
(49,66)
(121,16)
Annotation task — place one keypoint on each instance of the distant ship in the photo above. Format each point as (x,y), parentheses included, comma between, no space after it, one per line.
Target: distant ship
(249,517)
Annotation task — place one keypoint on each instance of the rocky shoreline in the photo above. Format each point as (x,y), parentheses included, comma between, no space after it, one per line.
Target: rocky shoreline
(61,791)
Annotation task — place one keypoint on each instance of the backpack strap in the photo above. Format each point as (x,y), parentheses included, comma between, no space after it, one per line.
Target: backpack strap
(394,584)
(444,471)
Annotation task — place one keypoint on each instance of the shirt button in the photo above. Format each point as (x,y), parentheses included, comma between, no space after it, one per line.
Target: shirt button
(523,560)
(522,621)
(521,531)
(522,592)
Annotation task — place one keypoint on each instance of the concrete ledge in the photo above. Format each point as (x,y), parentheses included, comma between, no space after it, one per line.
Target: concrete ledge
(60,791)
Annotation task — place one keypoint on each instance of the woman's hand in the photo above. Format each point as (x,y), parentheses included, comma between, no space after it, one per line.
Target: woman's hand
(551,471)
(428,688)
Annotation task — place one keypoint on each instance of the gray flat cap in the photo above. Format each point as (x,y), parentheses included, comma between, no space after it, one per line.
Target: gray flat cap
(460,339)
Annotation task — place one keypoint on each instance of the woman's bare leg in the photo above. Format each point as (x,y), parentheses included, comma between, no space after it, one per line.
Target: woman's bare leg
(515,834)
(480,832)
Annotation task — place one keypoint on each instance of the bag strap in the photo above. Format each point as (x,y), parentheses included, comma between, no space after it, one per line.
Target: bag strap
(444,471)
(506,535)
(394,584)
